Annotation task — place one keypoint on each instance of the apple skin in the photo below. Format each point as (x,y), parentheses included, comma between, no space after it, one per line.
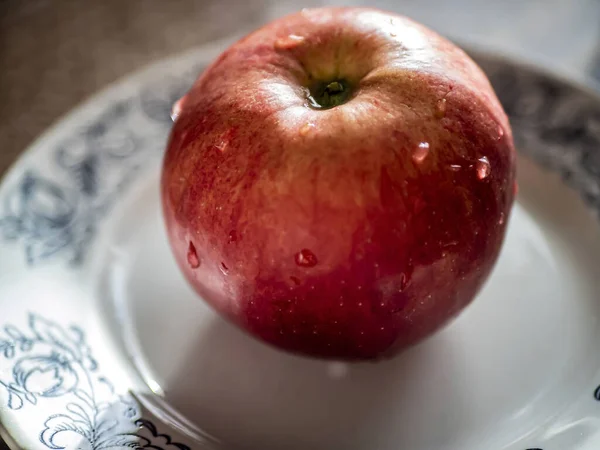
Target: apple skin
(346,233)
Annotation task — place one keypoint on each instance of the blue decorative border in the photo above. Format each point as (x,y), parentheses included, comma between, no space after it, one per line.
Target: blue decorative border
(59,216)
(56,213)
(555,123)
(47,361)
(155,435)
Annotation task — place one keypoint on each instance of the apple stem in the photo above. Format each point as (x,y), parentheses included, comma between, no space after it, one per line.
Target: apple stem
(329,95)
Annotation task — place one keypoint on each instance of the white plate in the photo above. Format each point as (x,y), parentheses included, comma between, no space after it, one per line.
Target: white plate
(103,344)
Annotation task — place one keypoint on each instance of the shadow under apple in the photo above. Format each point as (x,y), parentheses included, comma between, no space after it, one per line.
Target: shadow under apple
(253,396)
(256,397)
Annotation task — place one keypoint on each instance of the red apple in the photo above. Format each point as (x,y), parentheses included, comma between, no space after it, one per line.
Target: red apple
(338,183)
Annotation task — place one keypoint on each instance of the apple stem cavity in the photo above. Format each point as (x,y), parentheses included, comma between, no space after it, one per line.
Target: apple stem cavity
(329,95)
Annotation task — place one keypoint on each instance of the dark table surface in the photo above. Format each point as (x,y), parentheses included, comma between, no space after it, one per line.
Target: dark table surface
(56,53)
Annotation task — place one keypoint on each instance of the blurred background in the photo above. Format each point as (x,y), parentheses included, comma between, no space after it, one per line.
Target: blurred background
(54,54)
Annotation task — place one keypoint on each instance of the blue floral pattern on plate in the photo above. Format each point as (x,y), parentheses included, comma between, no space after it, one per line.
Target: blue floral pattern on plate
(53,218)
(49,361)
(59,216)
(54,215)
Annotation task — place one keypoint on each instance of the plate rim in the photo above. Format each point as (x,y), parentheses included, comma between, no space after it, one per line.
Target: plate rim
(118,88)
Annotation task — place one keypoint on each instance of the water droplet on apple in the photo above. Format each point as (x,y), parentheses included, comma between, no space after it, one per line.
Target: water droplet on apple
(192,256)
(176,110)
(455,167)
(501,219)
(232,236)
(289,42)
(337,370)
(421,152)
(482,167)
(222,146)
(307,128)
(306,258)
(500,132)
(224,269)
(403,281)
(440,109)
